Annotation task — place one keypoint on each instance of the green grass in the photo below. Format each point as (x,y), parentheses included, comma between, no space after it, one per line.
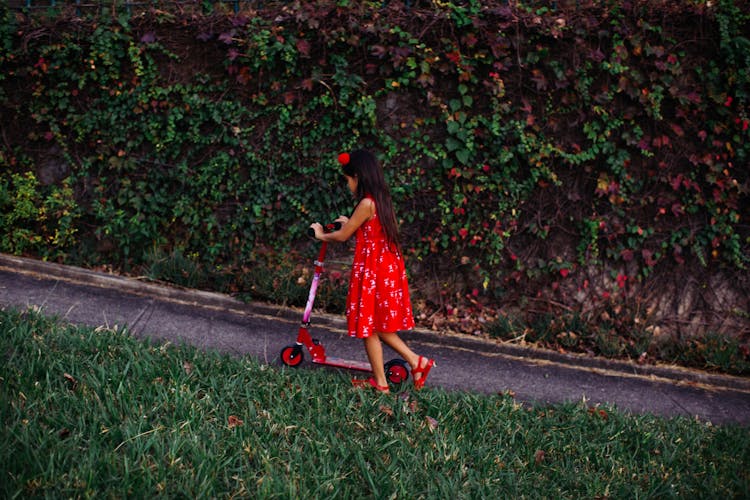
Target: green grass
(96,413)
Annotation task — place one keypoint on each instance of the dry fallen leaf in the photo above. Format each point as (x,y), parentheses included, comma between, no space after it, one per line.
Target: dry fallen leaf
(234,422)
(188,366)
(431,423)
(539,456)
(387,410)
(598,412)
(72,382)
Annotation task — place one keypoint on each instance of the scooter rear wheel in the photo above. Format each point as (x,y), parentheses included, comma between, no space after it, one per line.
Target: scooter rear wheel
(292,355)
(396,371)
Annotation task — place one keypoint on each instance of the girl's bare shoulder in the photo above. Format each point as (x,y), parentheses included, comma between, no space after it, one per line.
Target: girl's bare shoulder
(367,202)
(367,205)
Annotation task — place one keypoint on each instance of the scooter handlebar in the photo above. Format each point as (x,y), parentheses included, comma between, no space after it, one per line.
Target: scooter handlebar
(328,228)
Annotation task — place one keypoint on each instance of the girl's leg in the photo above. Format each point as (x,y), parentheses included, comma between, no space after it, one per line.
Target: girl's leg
(394,342)
(374,350)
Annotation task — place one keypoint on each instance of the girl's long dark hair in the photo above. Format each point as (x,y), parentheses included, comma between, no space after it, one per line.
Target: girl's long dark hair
(370,181)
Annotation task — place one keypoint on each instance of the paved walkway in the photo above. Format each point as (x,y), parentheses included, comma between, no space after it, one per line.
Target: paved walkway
(216,321)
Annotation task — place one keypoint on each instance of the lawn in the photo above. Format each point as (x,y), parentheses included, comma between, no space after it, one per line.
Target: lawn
(97,413)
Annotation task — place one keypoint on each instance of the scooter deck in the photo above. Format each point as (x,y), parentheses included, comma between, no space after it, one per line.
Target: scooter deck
(345,363)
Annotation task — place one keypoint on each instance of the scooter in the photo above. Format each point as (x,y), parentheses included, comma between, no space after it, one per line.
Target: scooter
(396,370)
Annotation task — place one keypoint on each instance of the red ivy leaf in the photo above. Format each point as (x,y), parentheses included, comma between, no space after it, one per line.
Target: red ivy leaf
(621,279)
(227,37)
(454,57)
(303,47)
(470,40)
(379,51)
(244,76)
(239,21)
(648,257)
(290,97)
(596,55)
(538,78)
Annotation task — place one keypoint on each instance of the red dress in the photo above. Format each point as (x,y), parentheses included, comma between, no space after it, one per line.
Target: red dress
(378,300)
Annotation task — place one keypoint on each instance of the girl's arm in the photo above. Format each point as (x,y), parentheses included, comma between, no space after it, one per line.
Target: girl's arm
(364,212)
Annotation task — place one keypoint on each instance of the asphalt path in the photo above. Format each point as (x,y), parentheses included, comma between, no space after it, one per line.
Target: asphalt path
(213,321)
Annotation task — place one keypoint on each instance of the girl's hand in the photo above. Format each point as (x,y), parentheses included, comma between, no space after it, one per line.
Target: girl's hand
(342,219)
(318,228)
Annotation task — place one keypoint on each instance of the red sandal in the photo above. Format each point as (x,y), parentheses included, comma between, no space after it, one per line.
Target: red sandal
(372,383)
(422,370)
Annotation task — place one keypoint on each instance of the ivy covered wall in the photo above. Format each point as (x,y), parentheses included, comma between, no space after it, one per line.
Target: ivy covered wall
(589,159)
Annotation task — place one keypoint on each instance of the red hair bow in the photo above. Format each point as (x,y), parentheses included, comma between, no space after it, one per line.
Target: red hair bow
(344,158)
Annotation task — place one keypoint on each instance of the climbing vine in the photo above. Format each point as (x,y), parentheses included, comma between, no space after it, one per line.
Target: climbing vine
(525,145)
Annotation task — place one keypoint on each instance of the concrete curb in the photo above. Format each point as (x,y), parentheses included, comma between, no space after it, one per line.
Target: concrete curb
(218,301)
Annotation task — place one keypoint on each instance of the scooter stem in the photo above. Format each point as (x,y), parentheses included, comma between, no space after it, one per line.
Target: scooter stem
(316,280)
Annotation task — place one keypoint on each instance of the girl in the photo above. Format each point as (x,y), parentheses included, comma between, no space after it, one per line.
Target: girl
(378,303)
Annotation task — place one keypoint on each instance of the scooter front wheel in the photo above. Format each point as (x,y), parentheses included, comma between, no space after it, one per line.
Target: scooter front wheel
(292,355)
(396,371)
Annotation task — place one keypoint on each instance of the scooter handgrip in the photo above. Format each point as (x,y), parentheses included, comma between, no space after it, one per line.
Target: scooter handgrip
(329,228)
